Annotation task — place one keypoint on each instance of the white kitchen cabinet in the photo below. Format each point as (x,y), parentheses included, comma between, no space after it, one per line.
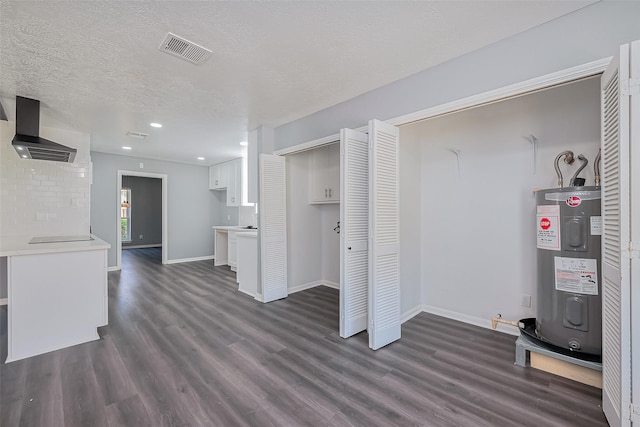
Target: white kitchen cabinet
(57,294)
(232,250)
(230,176)
(218,176)
(234,182)
(247,274)
(324,174)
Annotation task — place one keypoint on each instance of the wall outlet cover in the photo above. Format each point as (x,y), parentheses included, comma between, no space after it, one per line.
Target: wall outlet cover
(525,300)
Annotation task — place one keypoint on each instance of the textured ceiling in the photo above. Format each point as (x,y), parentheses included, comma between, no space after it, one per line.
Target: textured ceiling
(96,67)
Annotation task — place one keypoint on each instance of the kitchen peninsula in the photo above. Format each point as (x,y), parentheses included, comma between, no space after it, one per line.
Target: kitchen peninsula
(56,292)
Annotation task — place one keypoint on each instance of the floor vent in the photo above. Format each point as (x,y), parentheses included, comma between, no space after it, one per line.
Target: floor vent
(183,48)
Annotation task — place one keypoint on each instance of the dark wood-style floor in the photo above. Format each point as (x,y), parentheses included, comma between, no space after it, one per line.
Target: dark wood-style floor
(184,348)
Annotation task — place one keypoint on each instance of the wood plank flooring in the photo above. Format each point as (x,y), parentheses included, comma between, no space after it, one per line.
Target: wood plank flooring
(185,348)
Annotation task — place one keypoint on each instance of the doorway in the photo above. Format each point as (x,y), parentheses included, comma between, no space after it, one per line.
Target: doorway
(129,231)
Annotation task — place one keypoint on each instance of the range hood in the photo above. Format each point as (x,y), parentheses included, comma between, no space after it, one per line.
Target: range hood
(27,141)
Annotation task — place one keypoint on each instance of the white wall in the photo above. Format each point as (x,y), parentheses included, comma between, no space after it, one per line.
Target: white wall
(40,197)
(312,245)
(330,215)
(304,237)
(591,33)
(191,205)
(478,249)
(410,226)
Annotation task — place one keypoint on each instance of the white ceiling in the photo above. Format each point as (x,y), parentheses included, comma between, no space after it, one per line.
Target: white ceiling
(96,67)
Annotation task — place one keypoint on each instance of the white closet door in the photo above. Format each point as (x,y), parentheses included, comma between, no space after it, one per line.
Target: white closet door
(273,227)
(354,231)
(384,235)
(616,339)
(635,229)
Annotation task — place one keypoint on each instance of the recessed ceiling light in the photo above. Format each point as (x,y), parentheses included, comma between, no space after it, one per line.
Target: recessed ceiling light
(200,158)
(20,148)
(244,143)
(24,156)
(155,125)
(126,148)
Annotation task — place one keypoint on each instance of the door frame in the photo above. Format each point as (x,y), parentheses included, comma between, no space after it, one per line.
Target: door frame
(165,234)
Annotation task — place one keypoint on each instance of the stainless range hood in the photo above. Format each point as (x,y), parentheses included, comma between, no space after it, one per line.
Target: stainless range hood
(27,141)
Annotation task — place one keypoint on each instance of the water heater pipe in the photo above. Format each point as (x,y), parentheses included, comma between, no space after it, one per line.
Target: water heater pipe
(596,168)
(584,161)
(499,319)
(568,159)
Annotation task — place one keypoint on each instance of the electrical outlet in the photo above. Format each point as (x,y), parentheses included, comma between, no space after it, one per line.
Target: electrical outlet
(141,165)
(141,237)
(229,216)
(525,300)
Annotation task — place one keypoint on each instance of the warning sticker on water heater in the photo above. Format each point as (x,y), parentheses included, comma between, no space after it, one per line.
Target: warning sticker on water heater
(596,225)
(548,227)
(576,275)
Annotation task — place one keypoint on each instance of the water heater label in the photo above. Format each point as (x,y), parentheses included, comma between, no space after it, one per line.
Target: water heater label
(596,226)
(576,275)
(548,227)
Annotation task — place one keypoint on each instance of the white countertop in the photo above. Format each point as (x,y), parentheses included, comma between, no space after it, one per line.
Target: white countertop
(19,245)
(233,228)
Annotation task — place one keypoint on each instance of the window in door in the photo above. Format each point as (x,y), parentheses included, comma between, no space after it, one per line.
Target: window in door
(125,214)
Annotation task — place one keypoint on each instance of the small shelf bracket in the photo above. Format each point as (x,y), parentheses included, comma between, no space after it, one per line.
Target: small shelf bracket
(458,154)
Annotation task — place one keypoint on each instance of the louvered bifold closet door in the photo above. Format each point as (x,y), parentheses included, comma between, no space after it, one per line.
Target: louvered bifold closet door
(273,227)
(354,231)
(615,235)
(634,149)
(384,247)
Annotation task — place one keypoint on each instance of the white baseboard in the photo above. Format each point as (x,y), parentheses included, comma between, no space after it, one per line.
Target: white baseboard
(114,268)
(152,245)
(248,293)
(329,284)
(200,258)
(472,320)
(258,297)
(304,286)
(411,313)
(4,301)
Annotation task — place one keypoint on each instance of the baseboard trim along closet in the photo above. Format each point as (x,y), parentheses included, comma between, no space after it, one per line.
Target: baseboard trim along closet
(4,301)
(200,258)
(152,245)
(472,320)
(305,286)
(113,268)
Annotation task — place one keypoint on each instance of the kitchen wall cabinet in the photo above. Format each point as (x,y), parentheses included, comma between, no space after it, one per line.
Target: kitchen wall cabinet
(230,176)
(218,176)
(324,174)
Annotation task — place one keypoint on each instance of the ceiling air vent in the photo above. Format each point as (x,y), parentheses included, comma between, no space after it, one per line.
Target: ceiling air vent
(139,135)
(183,48)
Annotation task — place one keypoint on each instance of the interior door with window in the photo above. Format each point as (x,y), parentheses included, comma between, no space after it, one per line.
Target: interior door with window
(354,231)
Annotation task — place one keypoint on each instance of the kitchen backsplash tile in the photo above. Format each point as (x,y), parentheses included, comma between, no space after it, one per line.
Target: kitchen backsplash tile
(44,198)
